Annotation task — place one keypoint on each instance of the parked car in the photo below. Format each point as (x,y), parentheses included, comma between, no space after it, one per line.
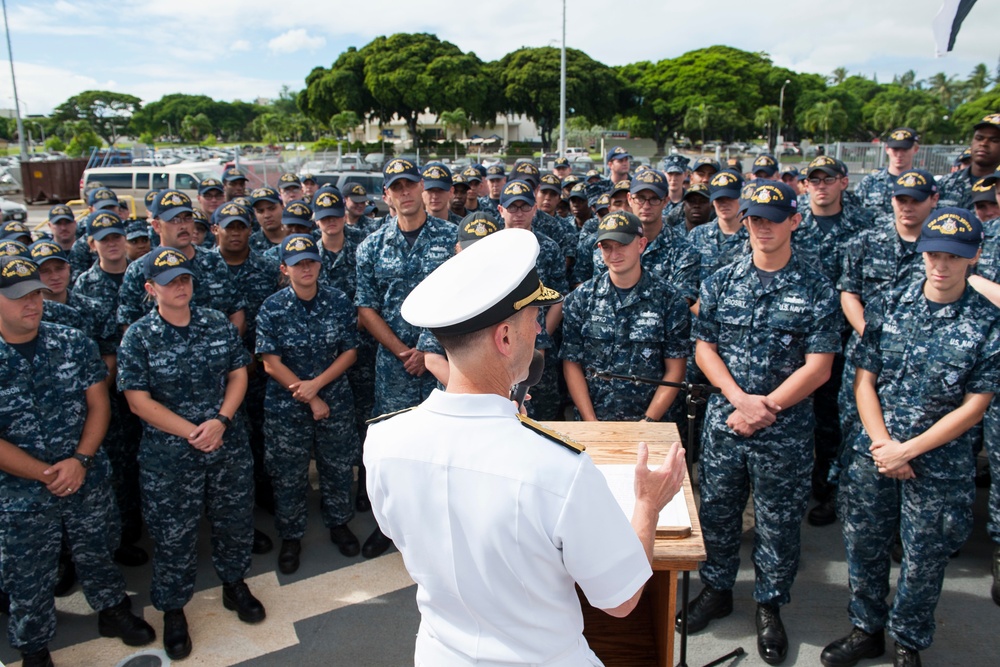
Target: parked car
(13,211)
(575,151)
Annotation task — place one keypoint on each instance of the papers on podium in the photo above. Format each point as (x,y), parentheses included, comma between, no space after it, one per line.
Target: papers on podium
(674,518)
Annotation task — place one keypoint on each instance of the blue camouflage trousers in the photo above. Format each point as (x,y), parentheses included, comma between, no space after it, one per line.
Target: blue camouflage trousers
(30,543)
(991,439)
(173,502)
(291,438)
(934,518)
(775,465)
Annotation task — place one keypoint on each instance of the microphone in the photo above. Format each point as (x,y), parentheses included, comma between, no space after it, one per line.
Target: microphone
(520,389)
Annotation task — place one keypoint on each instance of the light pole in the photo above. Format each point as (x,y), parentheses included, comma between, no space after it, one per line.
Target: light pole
(779,139)
(170,132)
(42,130)
(562,89)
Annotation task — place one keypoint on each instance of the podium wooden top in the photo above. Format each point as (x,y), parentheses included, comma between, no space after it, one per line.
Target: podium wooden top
(616,442)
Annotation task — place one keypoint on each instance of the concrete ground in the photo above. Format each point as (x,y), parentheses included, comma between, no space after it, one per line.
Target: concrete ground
(350,611)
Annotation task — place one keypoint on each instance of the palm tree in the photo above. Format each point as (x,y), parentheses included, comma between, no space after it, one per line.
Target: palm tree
(838,76)
(767,118)
(908,80)
(977,83)
(887,116)
(342,123)
(923,118)
(699,117)
(455,120)
(945,88)
(825,117)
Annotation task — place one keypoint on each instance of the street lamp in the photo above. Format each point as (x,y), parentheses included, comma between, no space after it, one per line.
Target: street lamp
(781,114)
(42,130)
(170,132)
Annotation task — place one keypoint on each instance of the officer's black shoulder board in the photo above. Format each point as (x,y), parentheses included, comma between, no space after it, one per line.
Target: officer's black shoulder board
(388,415)
(568,443)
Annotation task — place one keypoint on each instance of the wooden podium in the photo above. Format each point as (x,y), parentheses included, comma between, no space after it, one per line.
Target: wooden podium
(646,636)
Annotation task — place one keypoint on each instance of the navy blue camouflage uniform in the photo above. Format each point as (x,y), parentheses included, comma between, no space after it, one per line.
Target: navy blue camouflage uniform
(926,362)
(42,411)
(187,374)
(875,191)
(763,335)
(308,342)
(387,271)
(632,336)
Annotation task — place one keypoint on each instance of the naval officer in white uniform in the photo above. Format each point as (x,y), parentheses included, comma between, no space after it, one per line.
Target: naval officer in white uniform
(496,519)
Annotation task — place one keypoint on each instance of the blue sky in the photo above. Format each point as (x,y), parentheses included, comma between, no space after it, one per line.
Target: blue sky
(244,49)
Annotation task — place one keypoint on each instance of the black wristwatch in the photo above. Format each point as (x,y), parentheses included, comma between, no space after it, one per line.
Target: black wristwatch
(646,418)
(226,421)
(85,461)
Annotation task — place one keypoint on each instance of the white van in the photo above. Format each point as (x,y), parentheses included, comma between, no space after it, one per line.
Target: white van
(138,180)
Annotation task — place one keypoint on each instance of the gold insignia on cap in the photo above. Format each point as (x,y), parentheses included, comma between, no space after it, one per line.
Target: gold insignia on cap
(604,200)
(232,209)
(900,135)
(993,119)
(578,188)
(981,186)
(911,180)
(822,161)
(495,169)
(516,188)
(103,220)
(20,268)
(723,178)
(44,250)
(357,189)
(297,244)
(647,177)
(526,168)
(763,161)
(175,199)
(104,194)
(169,258)
(434,173)
(397,166)
(262,192)
(295,208)
(766,194)
(288,178)
(949,224)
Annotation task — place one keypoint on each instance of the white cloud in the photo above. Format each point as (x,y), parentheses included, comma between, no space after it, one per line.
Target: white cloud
(240,45)
(295,40)
(42,88)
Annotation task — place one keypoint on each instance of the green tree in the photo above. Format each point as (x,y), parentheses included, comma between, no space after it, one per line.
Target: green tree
(767,118)
(838,76)
(271,127)
(230,119)
(147,138)
(947,89)
(972,112)
(699,117)
(194,127)
(106,112)
(55,144)
(977,83)
(826,117)
(886,116)
(84,140)
(529,80)
(344,122)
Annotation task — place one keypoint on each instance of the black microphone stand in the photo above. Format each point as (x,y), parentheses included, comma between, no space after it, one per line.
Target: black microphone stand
(694,395)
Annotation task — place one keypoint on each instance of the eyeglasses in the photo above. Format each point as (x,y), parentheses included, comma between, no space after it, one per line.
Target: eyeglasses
(826,180)
(519,208)
(652,201)
(180,219)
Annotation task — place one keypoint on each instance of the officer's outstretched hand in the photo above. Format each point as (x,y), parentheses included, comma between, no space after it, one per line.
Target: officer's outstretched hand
(656,487)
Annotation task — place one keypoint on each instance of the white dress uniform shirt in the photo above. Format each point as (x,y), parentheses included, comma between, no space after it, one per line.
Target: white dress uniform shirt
(495,524)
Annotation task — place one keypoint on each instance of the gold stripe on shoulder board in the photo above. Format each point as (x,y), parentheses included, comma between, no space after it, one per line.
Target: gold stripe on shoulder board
(563,440)
(388,415)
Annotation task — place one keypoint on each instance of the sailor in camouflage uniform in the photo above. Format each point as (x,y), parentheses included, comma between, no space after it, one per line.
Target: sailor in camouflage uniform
(307,339)
(356,202)
(98,200)
(875,262)
(438,192)
(767,330)
(267,208)
(956,187)
(183,370)
(625,321)
(64,305)
(496,178)
(875,189)
(829,222)
(725,239)
(927,367)
(213,286)
(54,479)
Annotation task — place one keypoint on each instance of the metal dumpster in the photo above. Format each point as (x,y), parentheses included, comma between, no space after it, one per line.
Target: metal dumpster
(52,181)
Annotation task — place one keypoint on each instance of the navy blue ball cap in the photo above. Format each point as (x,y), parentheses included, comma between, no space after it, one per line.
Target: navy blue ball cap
(495,172)
(327,204)
(298,213)
(550,182)
(620,226)
(915,183)
(233,174)
(136,229)
(101,224)
(772,200)
(992,178)
(473,175)
(308,178)
(727,183)
(902,137)
(265,193)
(398,168)
(19,277)
(12,248)
(984,190)
(990,120)
(705,161)
(826,164)
(61,212)
(560,162)
(617,153)
(355,192)
(13,229)
(651,180)
(516,191)
(371,207)
(475,226)
(44,250)
(162,264)
(297,248)
(209,184)
(526,171)
(579,191)
(952,230)
(698,190)
(765,163)
(102,198)
(436,175)
(289,180)
(675,163)
(171,203)
(231,212)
